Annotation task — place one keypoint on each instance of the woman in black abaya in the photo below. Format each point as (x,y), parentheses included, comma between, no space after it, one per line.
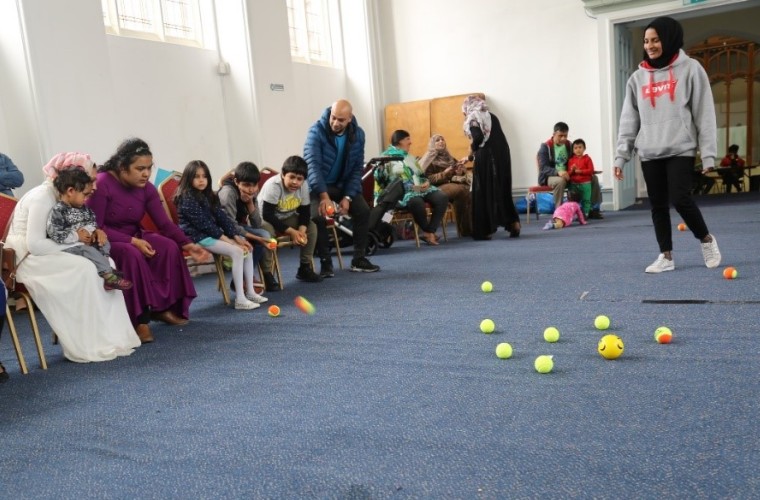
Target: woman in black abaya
(492,204)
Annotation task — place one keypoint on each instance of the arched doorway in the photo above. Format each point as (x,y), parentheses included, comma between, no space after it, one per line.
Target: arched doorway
(733,66)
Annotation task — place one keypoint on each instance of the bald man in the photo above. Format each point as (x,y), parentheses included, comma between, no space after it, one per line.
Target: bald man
(334,151)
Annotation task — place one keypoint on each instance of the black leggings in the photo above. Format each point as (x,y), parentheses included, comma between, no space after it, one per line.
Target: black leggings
(438,204)
(669,180)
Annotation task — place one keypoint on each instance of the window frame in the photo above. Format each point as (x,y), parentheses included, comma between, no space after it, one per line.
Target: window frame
(298,24)
(158,33)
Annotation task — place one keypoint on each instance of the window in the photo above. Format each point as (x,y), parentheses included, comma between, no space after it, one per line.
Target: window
(310,31)
(176,21)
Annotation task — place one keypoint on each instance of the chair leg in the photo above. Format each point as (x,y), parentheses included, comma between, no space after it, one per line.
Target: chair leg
(35,332)
(416,234)
(276,268)
(527,208)
(14,339)
(221,285)
(337,246)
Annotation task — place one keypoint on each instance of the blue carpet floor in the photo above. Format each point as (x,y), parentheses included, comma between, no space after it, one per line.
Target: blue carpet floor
(390,390)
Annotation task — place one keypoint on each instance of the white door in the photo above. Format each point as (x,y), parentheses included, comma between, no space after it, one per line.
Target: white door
(625,64)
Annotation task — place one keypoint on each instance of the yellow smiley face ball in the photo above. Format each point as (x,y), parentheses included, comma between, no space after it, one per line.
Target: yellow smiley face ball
(610,346)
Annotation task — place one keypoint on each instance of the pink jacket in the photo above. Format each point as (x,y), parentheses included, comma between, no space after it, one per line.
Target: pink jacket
(567,211)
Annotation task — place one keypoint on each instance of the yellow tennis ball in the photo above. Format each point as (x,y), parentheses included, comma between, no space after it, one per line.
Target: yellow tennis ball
(487,286)
(663,335)
(610,346)
(504,350)
(487,326)
(551,334)
(602,322)
(544,364)
(304,305)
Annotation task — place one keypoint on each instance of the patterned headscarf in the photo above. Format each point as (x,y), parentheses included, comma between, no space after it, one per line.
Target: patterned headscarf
(476,112)
(63,160)
(436,155)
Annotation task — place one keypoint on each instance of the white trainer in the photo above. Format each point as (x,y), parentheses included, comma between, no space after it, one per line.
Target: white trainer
(660,265)
(246,305)
(256,298)
(711,253)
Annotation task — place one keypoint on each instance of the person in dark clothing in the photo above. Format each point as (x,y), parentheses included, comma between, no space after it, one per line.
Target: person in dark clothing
(492,204)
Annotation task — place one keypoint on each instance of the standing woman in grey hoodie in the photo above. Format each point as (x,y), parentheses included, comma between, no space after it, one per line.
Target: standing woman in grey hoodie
(668,115)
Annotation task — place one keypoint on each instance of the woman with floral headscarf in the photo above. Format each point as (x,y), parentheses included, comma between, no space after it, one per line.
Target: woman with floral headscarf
(492,203)
(450,176)
(668,115)
(91,323)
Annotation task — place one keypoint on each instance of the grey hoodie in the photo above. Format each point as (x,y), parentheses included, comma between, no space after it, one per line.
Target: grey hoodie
(668,112)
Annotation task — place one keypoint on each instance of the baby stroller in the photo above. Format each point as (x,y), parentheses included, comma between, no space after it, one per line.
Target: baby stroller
(381,232)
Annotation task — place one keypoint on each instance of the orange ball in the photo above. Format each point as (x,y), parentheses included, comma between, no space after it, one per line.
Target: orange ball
(304,305)
(272,244)
(682,227)
(730,273)
(274,311)
(330,210)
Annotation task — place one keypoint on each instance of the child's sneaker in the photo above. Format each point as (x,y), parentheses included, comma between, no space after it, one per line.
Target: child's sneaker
(660,265)
(256,298)
(246,304)
(711,253)
(111,281)
(548,225)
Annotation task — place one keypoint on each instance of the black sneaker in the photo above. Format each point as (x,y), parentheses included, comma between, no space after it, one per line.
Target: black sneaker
(326,268)
(306,273)
(270,283)
(595,214)
(363,265)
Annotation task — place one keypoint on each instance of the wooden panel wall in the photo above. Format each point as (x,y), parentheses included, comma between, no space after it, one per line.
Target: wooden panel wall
(422,119)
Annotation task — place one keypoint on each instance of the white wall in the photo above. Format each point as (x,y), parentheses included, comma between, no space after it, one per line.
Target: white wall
(535,61)
(88,91)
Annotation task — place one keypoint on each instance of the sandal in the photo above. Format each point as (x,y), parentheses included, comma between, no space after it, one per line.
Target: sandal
(431,239)
(3,374)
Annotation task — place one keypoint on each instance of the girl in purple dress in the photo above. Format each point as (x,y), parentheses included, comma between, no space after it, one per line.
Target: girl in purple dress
(154,262)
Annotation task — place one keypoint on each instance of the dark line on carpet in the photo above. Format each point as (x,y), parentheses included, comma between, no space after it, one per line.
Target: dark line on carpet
(699,301)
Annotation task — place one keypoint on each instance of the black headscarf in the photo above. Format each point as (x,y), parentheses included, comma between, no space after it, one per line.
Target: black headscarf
(670,33)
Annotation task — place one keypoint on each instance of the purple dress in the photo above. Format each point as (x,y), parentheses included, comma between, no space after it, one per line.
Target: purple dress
(161,282)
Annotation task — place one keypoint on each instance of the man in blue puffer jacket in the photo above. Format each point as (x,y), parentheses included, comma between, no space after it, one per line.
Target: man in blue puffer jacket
(334,151)
(10,176)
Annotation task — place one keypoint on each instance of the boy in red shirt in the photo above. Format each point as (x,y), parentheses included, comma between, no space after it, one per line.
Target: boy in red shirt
(581,169)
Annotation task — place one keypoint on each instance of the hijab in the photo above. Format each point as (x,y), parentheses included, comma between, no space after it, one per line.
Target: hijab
(436,156)
(64,160)
(476,113)
(670,33)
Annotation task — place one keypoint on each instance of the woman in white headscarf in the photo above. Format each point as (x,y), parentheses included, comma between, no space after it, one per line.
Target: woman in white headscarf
(492,203)
(91,323)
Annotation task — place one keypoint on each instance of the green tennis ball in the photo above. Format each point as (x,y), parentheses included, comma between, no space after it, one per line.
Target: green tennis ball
(602,322)
(551,334)
(663,335)
(487,326)
(504,350)
(487,286)
(544,364)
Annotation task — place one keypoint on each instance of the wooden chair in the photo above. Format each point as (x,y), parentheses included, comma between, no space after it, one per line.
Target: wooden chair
(166,191)
(16,289)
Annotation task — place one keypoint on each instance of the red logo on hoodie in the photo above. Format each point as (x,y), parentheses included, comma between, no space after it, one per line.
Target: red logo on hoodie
(656,89)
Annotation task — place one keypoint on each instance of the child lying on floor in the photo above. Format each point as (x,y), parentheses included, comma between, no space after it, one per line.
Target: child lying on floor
(564,214)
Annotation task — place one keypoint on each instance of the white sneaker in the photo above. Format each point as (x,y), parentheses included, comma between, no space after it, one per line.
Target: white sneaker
(246,305)
(711,253)
(660,265)
(256,298)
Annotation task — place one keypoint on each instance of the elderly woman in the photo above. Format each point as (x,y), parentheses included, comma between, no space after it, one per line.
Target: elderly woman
(163,288)
(492,203)
(450,176)
(417,189)
(91,323)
